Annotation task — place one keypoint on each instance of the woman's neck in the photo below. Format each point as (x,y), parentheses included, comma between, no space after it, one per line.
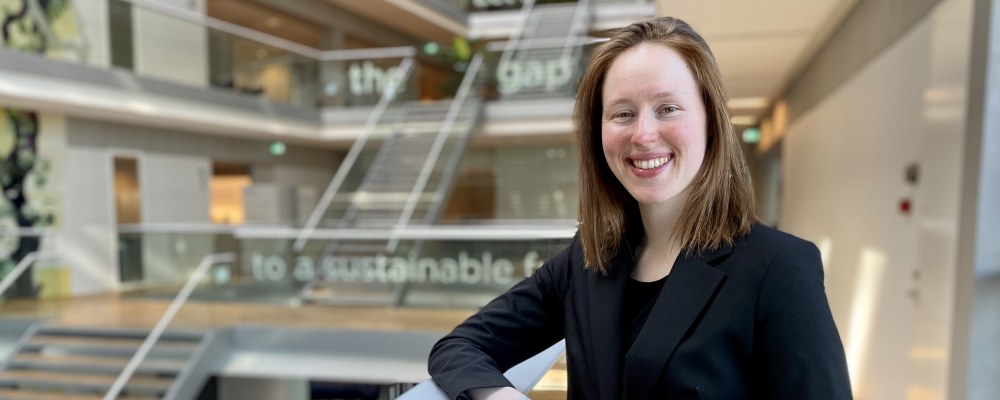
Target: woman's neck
(659,221)
(661,244)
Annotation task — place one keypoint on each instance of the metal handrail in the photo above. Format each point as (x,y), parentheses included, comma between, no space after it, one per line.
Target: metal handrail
(436,232)
(22,266)
(471,75)
(523,376)
(522,21)
(548,43)
(29,232)
(582,8)
(352,155)
(165,320)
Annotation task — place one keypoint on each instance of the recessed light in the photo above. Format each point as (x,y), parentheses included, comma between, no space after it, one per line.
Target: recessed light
(748,102)
(743,119)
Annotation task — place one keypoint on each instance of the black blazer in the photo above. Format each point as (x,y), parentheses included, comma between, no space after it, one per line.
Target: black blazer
(747,321)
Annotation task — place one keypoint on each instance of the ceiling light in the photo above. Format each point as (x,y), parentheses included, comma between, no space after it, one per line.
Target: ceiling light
(748,102)
(743,120)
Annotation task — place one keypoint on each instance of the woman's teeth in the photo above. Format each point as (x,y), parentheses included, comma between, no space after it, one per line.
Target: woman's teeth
(650,164)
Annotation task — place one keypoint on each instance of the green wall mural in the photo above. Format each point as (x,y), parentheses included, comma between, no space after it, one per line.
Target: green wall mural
(26,25)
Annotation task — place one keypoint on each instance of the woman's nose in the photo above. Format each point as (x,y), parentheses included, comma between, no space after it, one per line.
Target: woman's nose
(645,130)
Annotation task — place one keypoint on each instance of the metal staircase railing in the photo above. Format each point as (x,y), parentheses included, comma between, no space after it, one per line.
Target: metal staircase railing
(347,165)
(409,180)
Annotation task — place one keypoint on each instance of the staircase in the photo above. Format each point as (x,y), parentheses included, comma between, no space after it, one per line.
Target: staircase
(71,363)
(547,59)
(380,201)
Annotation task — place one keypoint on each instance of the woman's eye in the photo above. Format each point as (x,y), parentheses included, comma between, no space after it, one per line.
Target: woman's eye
(622,114)
(669,109)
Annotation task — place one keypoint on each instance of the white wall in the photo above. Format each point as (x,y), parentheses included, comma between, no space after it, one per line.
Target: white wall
(87,239)
(938,197)
(170,48)
(174,190)
(888,274)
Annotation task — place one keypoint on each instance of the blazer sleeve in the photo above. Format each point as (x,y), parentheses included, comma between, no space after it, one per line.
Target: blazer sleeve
(511,328)
(797,349)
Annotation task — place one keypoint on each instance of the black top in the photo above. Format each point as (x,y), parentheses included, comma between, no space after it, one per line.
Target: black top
(636,305)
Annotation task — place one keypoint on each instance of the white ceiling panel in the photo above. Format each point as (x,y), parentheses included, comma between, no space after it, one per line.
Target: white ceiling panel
(758,57)
(761,44)
(741,17)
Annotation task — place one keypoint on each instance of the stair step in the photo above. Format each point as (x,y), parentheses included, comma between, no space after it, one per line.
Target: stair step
(94,363)
(81,381)
(87,341)
(104,345)
(13,394)
(58,330)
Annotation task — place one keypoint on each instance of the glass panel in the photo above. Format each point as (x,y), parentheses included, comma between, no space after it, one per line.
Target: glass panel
(367,303)
(34,280)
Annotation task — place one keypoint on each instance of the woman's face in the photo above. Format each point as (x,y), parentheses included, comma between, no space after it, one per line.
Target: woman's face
(653,123)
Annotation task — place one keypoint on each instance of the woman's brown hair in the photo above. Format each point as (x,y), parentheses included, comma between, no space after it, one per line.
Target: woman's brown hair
(720,203)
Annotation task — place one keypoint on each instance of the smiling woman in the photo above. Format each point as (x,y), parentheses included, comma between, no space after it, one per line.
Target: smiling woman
(670,289)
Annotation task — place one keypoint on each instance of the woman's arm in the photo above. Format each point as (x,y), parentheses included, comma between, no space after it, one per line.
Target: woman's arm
(511,328)
(797,349)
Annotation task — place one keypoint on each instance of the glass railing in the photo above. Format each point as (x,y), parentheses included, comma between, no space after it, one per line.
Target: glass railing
(32,272)
(257,280)
(206,52)
(544,69)
(455,266)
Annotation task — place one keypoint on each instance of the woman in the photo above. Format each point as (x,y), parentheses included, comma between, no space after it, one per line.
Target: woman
(669,289)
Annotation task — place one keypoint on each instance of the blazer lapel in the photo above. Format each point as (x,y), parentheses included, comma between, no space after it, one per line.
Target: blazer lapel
(689,289)
(605,326)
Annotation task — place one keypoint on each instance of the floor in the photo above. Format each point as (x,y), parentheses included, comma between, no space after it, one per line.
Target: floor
(144,312)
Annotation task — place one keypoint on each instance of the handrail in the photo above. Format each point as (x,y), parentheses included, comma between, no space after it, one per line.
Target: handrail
(582,7)
(547,43)
(22,266)
(522,21)
(523,376)
(436,232)
(26,232)
(488,229)
(471,74)
(353,154)
(165,320)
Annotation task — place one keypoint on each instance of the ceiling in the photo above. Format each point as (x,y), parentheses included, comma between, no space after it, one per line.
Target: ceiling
(267,20)
(760,45)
